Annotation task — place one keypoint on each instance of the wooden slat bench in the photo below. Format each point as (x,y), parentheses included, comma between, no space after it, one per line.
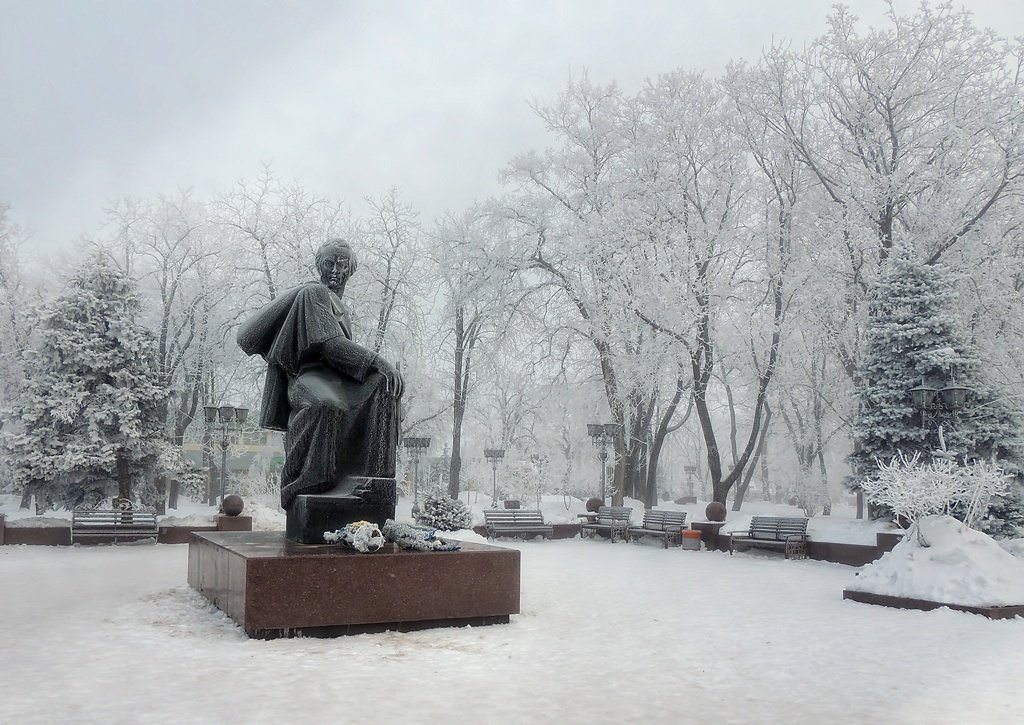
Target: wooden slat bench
(522,523)
(668,525)
(613,519)
(113,524)
(774,532)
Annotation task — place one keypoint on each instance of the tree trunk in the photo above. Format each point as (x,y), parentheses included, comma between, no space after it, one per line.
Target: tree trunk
(741,490)
(161,503)
(766,492)
(826,509)
(664,428)
(465,340)
(124,480)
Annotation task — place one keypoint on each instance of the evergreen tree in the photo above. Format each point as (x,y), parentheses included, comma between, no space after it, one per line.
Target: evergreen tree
(913,336)
(88,421)
(445,514)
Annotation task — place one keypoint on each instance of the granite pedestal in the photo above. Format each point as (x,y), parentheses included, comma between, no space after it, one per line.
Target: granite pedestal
(274,588)
(310,515)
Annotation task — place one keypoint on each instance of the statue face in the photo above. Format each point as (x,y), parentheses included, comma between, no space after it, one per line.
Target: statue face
(335,269)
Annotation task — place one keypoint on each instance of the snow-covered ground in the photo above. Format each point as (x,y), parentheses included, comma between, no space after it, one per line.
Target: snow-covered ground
(608,633)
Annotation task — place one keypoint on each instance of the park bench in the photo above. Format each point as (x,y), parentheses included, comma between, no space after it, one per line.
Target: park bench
(668,525)
(524,523)
(774,532)
(125,525)
(611,519)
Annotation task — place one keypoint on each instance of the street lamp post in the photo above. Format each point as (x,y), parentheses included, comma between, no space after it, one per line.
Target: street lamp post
(493,455)
(538,462)
(231,419)
(690,471)
(417,447)
(602,433)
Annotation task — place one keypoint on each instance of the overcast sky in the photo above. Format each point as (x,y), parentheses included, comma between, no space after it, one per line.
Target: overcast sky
(105,98)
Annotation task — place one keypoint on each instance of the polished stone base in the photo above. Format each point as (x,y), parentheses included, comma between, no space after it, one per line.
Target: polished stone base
(364,499)
(276,588)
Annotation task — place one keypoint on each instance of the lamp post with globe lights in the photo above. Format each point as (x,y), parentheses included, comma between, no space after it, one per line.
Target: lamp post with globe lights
(602,434)
(231,419)
(938,394)
(417,447)
(493,455)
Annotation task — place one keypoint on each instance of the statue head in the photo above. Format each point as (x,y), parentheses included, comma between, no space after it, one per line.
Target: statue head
(336,262)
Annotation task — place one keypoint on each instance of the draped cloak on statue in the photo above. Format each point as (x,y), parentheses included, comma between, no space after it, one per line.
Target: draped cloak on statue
(338,415)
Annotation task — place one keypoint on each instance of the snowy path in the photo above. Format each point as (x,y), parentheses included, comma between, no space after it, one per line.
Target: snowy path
(112,634)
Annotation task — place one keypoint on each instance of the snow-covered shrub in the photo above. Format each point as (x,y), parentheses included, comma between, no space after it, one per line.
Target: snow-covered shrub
(1005,516)
(912,489)
(446,514)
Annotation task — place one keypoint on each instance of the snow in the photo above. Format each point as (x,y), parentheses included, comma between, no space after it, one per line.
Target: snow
(38,522)
(608,632)
(947,563)
(190,520)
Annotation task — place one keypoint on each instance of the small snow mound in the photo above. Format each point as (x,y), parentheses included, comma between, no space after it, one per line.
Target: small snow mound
(948,562)
(38,522)
(190,520)
(465,535)
(264,518)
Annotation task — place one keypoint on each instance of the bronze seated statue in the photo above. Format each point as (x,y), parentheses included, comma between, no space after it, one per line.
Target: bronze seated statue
(337,401)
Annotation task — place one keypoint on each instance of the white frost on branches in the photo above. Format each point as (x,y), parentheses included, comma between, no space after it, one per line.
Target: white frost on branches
(912,489)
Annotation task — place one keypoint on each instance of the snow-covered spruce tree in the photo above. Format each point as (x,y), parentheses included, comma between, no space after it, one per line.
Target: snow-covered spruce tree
(89,421)
(913,334)
(443,513)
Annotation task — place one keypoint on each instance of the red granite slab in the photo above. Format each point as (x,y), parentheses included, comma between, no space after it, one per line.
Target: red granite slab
(276,588)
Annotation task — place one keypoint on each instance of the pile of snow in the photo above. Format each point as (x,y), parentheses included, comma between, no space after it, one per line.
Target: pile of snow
(38,522)
(264,518)
(945,561)
(190,520)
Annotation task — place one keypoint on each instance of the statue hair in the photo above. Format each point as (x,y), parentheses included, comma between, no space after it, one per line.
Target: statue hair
(336,243)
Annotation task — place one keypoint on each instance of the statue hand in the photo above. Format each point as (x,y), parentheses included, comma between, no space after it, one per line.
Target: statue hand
(394,378)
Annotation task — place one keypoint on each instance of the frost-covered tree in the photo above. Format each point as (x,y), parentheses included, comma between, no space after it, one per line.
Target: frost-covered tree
(913,335)
(89,420)
(13,326)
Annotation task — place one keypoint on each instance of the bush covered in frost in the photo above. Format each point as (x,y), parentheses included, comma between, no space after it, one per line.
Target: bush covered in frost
(446,514)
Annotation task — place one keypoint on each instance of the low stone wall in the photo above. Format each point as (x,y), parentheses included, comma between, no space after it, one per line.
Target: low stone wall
(61,535)
(1006,612)
(180,534)
(38,535)
(849,554)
